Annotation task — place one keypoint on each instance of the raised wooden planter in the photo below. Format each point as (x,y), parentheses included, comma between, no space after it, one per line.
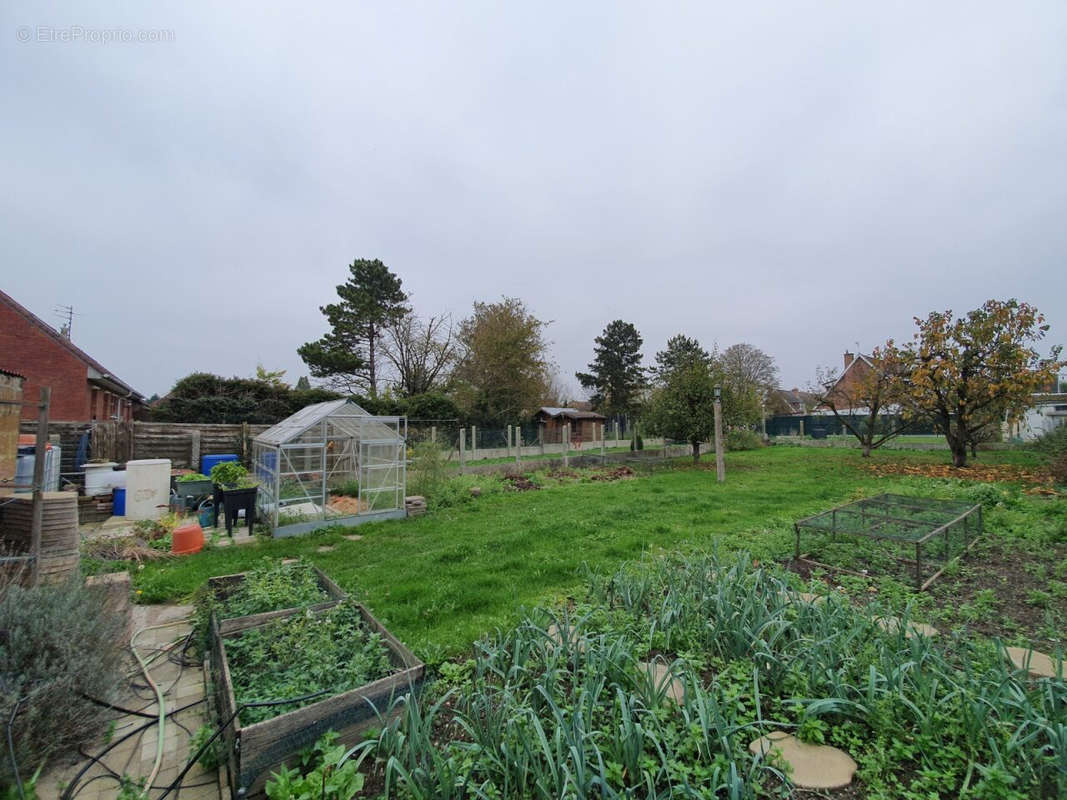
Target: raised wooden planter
(257,750)
(224,585)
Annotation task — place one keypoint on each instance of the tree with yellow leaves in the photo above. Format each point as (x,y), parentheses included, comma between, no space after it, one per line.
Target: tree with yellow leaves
(975,371)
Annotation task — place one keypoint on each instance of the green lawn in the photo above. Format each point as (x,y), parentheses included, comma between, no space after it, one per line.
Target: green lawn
(441,581)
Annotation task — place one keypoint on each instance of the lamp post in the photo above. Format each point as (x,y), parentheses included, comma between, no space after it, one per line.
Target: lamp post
(720,467)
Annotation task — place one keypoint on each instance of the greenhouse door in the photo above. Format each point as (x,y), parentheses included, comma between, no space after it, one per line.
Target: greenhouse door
(381,480)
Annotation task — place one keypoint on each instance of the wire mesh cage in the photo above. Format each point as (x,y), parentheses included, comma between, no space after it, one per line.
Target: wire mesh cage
(921,534)
(330,464)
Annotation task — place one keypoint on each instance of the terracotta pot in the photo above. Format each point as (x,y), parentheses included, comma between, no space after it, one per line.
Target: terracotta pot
(187,538)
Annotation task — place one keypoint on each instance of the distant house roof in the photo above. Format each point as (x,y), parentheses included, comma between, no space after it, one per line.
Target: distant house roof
(98,373)
(569,413)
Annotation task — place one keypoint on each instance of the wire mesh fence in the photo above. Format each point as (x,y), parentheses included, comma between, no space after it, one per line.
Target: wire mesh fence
(908,536)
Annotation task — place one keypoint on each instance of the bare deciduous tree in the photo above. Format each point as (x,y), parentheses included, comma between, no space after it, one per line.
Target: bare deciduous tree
(422,352)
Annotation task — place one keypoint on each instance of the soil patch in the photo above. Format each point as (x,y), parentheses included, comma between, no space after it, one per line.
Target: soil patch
(521,483)
(998,591)
(617,474)
(984,473)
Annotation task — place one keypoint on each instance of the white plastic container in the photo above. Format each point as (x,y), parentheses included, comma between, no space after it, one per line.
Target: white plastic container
(98,478)
(147,488)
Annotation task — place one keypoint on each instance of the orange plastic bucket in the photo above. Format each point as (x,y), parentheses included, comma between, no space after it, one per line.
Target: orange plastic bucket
(187,538)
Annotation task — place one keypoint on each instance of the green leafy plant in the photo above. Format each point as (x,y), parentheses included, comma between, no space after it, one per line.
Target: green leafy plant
(327,772)
(274,585)
(191,476)
(331,650)
(213,756)
(232,475)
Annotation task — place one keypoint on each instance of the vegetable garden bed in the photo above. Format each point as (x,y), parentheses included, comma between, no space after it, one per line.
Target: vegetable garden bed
(338,665)
(271,591)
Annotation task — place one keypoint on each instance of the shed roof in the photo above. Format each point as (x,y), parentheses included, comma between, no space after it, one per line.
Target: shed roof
(343,414)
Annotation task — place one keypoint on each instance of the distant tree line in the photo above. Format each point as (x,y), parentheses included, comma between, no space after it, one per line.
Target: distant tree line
(494,368)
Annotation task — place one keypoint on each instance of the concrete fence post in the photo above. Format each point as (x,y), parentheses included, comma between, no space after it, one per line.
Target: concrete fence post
(602,437)
(541,436)
(194,450)
(433,434)
(518,444)
(462,449)
(474,442)
(566,445)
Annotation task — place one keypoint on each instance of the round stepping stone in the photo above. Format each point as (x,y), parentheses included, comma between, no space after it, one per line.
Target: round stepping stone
(813,766)
(661,674)
(892,625)
(353,537)
(1037,664)
(324,548)
(574,640)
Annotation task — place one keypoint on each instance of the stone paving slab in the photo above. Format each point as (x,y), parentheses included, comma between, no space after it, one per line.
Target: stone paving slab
(661,675)
(892,625)
(182,685)
(813,766)
(1039,665)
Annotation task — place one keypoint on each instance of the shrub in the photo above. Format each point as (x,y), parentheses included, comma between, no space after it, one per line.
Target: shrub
(742,439)
(429,470)
(59,646)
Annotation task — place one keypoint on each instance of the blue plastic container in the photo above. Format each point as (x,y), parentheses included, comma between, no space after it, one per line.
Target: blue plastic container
(118,502)
(207,462)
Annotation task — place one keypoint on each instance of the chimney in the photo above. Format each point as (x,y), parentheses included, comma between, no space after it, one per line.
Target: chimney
(848,358)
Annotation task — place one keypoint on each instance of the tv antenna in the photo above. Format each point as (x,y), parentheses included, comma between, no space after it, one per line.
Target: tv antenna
(66,313)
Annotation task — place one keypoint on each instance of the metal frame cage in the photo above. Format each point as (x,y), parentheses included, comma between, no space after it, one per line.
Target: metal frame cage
(330,463)
(940,531)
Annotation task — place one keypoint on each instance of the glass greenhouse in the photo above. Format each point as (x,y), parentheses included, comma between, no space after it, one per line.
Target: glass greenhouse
(330,464)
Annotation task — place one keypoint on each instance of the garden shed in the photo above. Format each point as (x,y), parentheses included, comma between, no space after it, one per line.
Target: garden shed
(330,463)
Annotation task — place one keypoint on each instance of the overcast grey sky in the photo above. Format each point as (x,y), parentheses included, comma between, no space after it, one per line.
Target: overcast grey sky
(804,176)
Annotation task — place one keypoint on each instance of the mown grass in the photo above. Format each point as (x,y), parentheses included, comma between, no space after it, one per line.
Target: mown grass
(443,580)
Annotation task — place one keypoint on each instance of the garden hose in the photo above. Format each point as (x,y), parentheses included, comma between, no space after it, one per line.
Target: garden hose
(159,694)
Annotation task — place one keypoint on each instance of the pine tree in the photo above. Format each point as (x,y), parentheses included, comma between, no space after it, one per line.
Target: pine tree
(615,375)
(347,356)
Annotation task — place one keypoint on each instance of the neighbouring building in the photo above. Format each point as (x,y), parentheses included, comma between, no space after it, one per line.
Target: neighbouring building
(583,424)
(1048,412)
(858,368)
(82,388)
(791,402)
(10,414)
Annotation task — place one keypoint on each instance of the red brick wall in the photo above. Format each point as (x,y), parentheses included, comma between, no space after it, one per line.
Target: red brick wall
(25,349)
(848,388)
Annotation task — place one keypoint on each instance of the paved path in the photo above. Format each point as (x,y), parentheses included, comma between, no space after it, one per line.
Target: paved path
(183,685)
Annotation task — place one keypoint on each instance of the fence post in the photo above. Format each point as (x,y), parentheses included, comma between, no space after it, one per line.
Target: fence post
(566,444)
(244,442)
(541,436)
(518,445)
(801,427)
(462,449)
(194,450)
(508,446)
(37,509)
(602,443)
(474,442)
(433,434)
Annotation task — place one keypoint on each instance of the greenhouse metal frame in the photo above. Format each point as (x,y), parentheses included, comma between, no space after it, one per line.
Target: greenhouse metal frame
(330,463)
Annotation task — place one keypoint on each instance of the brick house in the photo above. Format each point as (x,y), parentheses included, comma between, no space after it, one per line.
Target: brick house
(583,424)
(858,368)
(82,389)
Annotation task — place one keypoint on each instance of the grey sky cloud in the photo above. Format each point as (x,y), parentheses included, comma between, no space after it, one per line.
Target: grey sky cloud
(804,176)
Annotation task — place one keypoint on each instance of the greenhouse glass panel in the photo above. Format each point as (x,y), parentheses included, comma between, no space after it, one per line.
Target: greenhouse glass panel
(330,464)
